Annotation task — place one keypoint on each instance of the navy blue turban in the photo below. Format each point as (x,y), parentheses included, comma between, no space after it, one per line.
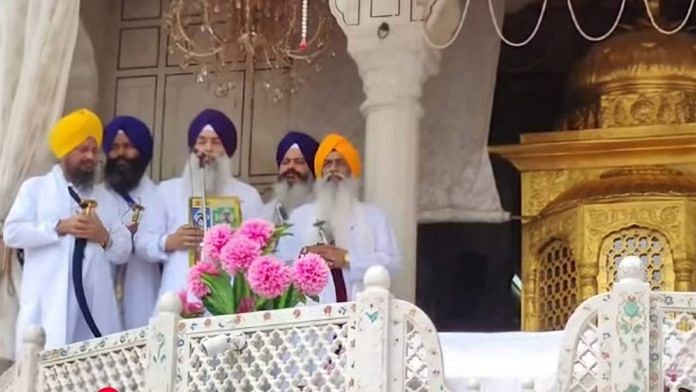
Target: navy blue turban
(137,132)
(308,147)
(221,124)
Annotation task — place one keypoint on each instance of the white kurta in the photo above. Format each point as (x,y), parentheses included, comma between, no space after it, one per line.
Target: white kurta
(175,201)
(142,275)
(46,296)
(372,242)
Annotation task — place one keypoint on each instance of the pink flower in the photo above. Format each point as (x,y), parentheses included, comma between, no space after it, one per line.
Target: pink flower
(189,309)
(238,253)
(195,283)
(257,230)
(213,241)
(310,274)
(269,277)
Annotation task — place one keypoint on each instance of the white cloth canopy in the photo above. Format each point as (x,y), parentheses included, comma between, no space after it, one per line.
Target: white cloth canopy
(501,362)
(37,39)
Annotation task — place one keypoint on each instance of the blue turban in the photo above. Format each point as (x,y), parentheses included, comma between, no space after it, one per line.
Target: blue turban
(221,124)
(308,147)
(136,131)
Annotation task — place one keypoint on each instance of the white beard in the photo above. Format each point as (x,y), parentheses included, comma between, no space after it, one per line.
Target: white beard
(217,175)
(293,196)
(336,204)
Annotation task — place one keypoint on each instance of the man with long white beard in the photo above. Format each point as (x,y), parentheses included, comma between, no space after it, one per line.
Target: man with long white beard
(70,246)
(350,235)
(212,138)
(295,160)
(128,146)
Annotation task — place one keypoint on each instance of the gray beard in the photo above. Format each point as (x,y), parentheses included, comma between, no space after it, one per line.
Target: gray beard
(336,203)
(292,196)
(217,175)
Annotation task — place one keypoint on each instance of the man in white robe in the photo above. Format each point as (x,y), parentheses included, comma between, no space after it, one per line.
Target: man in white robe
(295,160)
(47,221)
(128,146)
(350,235)
(213,140)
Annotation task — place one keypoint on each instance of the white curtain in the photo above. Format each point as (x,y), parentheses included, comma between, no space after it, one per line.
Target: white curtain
(37,40)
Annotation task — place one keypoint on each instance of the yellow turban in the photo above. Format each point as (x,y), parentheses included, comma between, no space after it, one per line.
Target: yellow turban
(72,130)
(338,143)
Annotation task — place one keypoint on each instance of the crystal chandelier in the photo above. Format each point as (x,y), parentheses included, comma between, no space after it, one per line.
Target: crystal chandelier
(214,37)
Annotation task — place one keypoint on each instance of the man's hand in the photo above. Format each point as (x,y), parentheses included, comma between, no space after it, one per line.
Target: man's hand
(335,257)
(185,237)
(90,227)
(69,226)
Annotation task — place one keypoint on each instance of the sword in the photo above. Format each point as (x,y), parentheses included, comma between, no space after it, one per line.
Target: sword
(326,236)
(88,208)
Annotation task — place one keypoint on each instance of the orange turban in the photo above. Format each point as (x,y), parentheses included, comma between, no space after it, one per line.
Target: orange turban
(338,143)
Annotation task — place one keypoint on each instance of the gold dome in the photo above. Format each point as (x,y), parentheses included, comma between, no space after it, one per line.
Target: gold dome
(621,184)
(639,59)
(639,77)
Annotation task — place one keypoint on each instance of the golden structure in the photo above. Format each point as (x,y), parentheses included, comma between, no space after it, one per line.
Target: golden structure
(618,179)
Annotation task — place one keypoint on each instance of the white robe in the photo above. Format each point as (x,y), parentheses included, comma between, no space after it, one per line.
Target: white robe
(142,275)
(46,296)
(372,242)
(176,205)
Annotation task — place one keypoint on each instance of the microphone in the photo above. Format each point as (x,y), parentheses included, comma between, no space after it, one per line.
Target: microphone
(281,213)
(326,232)
(201,159)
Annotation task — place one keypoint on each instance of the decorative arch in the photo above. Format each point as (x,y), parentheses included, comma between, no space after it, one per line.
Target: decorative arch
(652,246)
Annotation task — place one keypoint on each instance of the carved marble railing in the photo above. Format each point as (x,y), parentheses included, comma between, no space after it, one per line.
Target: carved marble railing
(631,339)
(376,343)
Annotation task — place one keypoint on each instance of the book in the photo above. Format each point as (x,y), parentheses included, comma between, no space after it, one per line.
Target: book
(219,210)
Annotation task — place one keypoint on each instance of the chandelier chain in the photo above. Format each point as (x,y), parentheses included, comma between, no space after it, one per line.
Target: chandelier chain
(676,29)
(602,37)
(500,33)
(456,33)
(573,16)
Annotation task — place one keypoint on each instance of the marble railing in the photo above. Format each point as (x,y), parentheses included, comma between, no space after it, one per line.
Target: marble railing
(376,343)
(631,339)
(627,340)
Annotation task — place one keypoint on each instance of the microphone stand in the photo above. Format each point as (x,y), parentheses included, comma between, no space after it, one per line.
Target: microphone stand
(204,205)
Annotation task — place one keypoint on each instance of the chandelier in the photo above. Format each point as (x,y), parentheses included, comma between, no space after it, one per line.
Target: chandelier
(213,37)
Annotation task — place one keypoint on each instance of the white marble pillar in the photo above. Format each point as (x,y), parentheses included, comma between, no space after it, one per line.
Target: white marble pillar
(394,62)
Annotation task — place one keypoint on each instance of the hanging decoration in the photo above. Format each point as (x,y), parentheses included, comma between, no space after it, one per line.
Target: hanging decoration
(651,8)
(213,37)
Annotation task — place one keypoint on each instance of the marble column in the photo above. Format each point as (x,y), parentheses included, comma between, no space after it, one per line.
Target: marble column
(394,62)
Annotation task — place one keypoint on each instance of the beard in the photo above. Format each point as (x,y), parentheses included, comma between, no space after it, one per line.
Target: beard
(215,175)
(81,177)
(336,203)
(123,175)
(290,195)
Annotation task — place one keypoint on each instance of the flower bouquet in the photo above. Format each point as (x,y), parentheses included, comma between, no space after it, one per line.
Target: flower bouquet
(239,273)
